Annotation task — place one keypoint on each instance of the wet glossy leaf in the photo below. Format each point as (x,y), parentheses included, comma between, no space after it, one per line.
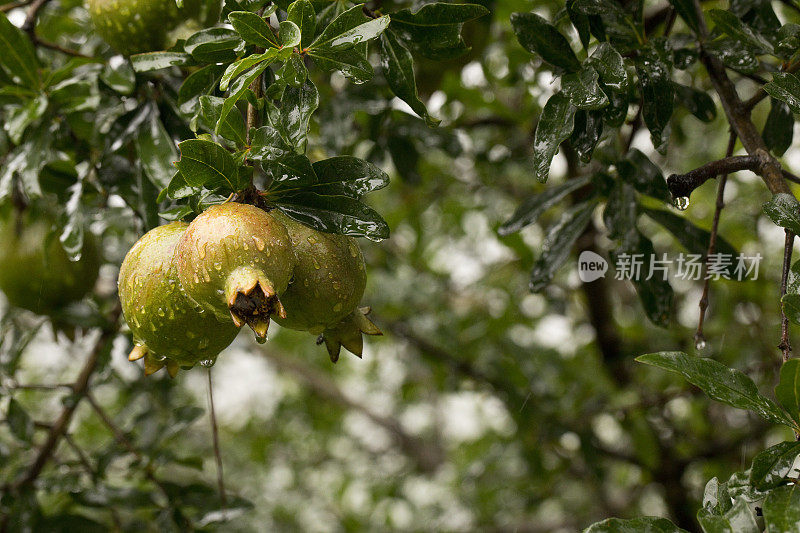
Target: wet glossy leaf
(267,144)
(555,125)
(779,127)
(586,134)
(434,31)
(716,498)
(303,15)
(583,90)
(738,519)
(158,60)
(200,81)
(730,24)
(297,106)
(253,29)
(120,77)
(643,524)
(786,88)
(734,54)
(398,68)
(782,510)
(334,214)
(290,34)
(784,210)
(349,29)
(352,63)
(791,307)
(178,188)
(581,23)
(238,89)
(207,164)
(771,466)
(687,11)
(214,45)
(156,151)
(18,59)
(558,244)
(19,422)
(231,127)
(290,170)
(611,67)
(788,389)
(620,211)
(350,176)
(720,383)
(538,36)
(658,95)
(699,103)
(294,71)
(238,67)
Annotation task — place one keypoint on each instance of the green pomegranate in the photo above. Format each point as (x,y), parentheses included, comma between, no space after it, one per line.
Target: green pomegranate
(168,327)
(135,26)
(328,282)
(235,260)
(35,272)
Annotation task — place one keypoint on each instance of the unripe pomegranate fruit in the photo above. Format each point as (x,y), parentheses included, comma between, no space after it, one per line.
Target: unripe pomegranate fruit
(168,327)
(235,260)
(35,271)
(327,285)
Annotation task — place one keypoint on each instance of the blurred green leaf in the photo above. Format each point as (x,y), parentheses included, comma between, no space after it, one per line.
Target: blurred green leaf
(558,243)
(156,152)
(771,466)
(555,125)
(649,524)
(214,45)
(699,103)
(434,31)
(779,127)
(158,60)
(788,389)
(728,23)
(19,57)
(540,37)
(19,421)
(782,510)
(532,208)
(398,68)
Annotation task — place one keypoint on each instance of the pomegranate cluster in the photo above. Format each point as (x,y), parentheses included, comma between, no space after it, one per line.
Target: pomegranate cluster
(186,289)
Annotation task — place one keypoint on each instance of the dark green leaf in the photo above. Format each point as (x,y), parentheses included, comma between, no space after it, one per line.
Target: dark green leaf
(214,45)
(352,63)
(720,383)
(784,210)
(580,22)
(583,90)
(348,30)
(532,208)
(658,95)
(620,212)
(291,169)
(558,244)
(716,498)
(18,58)
(730,24)
(207,164)
(555,125)
(782,510)
(290,34)
(791,307)
(434,31)
(540,37)
(788,389)
(654,291)
(694,239)
(398,69)
(231,127)
(611,67)
(738,519)
(699,103)
(297,106)
(586,134)
(156,152)
(158,60)
(241,65)
(302,14)
(267,144)
(253,29)
(734,54)
(644,175)
(644,524)
(771,466)
(178,188)
(779,128)
(19,422)
(354,176)
(786,88)
(294,71)
(334,214)
(687,11)
(198,82)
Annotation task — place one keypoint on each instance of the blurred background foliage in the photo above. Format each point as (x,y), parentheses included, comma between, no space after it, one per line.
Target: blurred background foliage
(483,407)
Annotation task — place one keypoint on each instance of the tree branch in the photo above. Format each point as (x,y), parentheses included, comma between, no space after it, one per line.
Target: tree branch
(784,346)
(683,184)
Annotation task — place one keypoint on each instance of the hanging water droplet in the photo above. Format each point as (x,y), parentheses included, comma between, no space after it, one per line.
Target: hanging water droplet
(681,203)
(700,344)
(244,246)
(207,363)
(161,312)
(259,243)
(260,340)
(201,251)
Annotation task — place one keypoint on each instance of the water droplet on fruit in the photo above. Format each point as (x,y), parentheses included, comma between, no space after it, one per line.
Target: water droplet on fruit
(681,203)
(196,278)
(259,243)
(161,312)
(244,246)
(311,239)
(218,265)
(316,263)
(201,251)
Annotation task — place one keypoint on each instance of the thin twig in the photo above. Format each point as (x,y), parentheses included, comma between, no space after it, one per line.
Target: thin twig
(699,337)
(784,346)
(215,435)
(59,48)
(683,184)
(5,8)
(33,13)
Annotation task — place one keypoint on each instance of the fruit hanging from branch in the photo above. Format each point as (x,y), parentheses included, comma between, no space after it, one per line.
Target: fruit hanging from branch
(328,282)
(169,329)
(135,26)
(235,260)
(35,271)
